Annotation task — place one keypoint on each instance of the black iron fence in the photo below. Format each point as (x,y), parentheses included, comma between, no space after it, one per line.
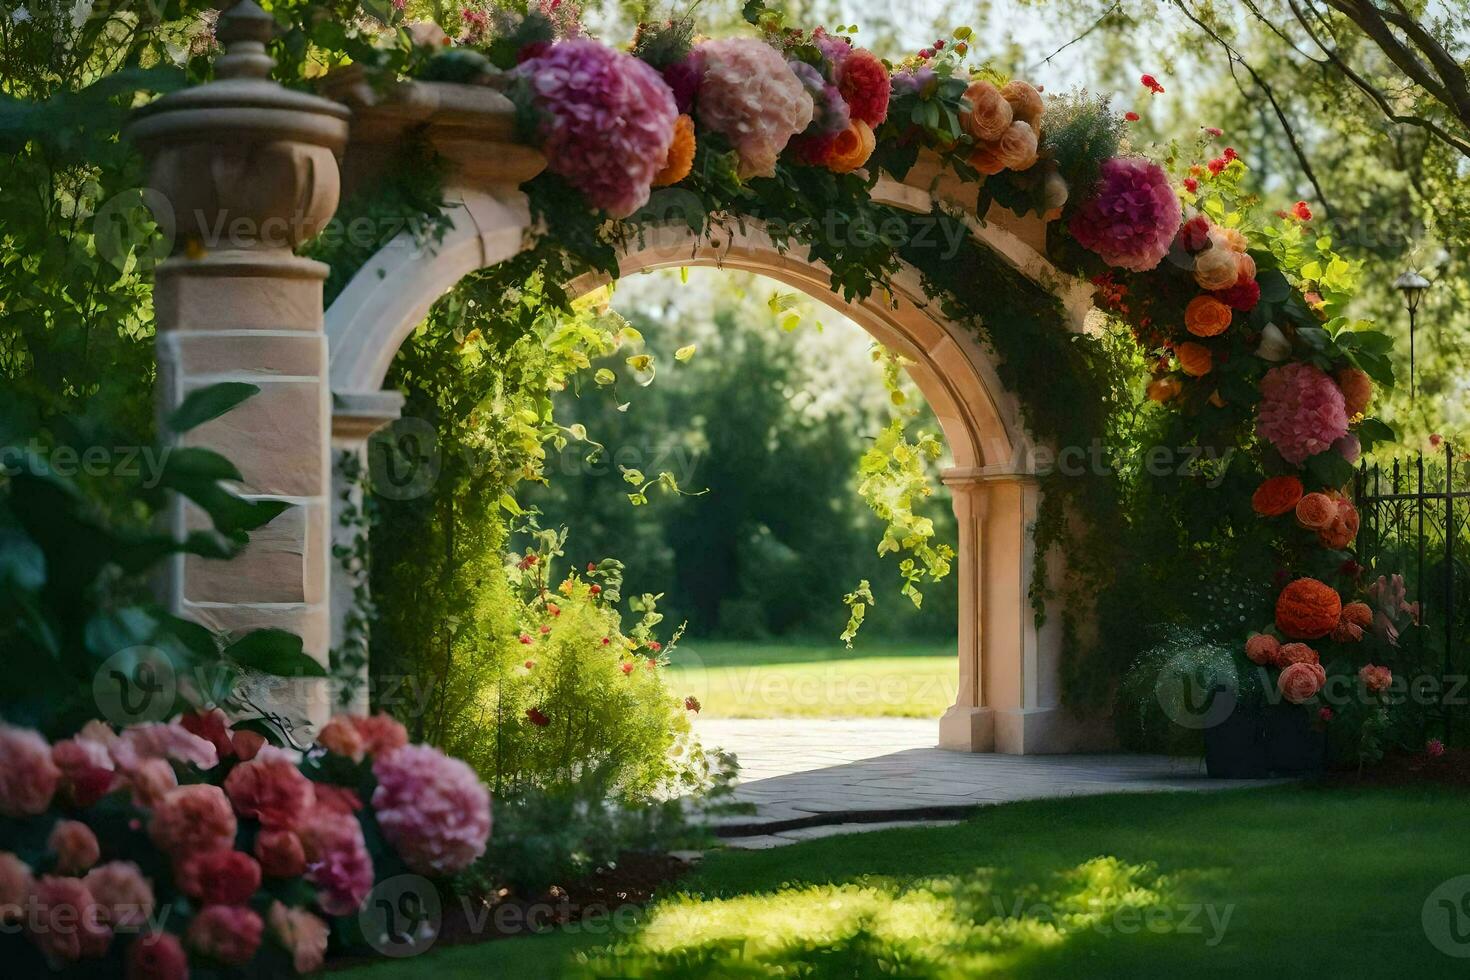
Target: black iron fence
(1416,522)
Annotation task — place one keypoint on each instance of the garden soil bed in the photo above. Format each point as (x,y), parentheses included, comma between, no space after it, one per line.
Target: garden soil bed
(605,895)
(1451,769)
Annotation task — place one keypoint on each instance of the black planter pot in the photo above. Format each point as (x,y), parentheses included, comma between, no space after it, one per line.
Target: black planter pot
(1293,746)
(1235,748)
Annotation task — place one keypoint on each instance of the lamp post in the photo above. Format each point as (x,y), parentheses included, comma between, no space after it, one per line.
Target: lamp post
(1412,285)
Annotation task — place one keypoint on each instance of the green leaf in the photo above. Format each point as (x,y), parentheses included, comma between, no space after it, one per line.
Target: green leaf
(203,404)
(22,562)
(273,651)
(685,353)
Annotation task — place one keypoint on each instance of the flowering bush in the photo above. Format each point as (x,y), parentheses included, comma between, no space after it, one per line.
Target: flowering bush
(238,863)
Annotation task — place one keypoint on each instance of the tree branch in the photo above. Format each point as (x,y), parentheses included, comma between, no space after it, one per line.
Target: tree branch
(1234,58)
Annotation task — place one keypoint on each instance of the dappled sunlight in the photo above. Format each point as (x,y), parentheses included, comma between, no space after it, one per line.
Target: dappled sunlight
(951,925)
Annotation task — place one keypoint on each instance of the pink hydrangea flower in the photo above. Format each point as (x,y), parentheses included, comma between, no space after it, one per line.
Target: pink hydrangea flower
(65,921)
(126,897)
(750,96)
(229,934)
(156,740)
(303,934)
(87,770)
(432,809)
(193,819)
(1132,216)
(337,860)
(28,777)
(607,121)
(74,845)
(1301,412)
(271,789)
(16,883)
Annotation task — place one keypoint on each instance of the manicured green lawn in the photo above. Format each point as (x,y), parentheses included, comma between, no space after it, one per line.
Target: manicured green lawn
(1287,881)
(756,679)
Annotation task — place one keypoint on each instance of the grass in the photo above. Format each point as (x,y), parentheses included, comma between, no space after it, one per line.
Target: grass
(1273,882)
(758,679)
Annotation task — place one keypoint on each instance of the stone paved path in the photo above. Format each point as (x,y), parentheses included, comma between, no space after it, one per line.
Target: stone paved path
(814,777)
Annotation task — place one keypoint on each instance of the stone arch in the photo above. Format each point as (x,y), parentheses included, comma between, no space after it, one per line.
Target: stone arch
(251,310)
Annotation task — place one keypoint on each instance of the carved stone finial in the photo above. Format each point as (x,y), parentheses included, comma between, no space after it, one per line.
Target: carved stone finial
(244,30)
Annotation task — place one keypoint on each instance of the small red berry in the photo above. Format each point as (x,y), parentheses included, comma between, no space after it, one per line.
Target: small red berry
(545,629)
(627,669)
(553,608)
(939,45)
(595,589)
(1131,116)
(525,638)
(962,48)
(605,641)
(655,646)
(592,566)
(530,664)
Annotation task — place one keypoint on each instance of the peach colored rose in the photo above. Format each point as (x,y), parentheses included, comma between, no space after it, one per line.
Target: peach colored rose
(1296,653)
(1261,648)
(990,114)
(1230,238)
(1343,528)
(1017,147)
(340,737)
(1376,679)
(381,733)
(1025,102)
(1316,511)
(1301,681)
(1216,268)
(74,845)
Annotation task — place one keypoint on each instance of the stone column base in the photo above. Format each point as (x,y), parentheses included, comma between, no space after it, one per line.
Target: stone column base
(967,729)
(1043,731)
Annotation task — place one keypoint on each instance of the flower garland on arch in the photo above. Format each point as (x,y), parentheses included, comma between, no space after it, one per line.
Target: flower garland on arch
(1243,315)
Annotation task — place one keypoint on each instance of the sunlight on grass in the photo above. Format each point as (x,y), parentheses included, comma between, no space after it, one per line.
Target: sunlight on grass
(771,680)
(949,924)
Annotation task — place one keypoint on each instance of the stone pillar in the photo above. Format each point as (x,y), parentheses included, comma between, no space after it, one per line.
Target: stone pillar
(355,417)
(968,725)
(249,170)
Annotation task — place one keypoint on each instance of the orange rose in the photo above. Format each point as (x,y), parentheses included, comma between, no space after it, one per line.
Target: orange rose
(1308,609)
(1262,648)
(1206,316)
(1216,268)
(1164,389)
(1316,511)
(1230,238)
(1025,102)
(1195,360)
(1339,533)
(852,148)
(1355,620)
(680,159)
(1299,682)
(987,158)
(1357,389)
(339,737)
(1295,653)
(1276,496)
(990,114)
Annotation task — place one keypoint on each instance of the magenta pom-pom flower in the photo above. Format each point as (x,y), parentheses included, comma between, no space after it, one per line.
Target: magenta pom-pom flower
(607,120)
(432,809)
(1131,217)
(1301,413)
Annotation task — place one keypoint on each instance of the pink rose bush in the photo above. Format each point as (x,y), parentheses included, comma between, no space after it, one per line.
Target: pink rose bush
(164,848)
